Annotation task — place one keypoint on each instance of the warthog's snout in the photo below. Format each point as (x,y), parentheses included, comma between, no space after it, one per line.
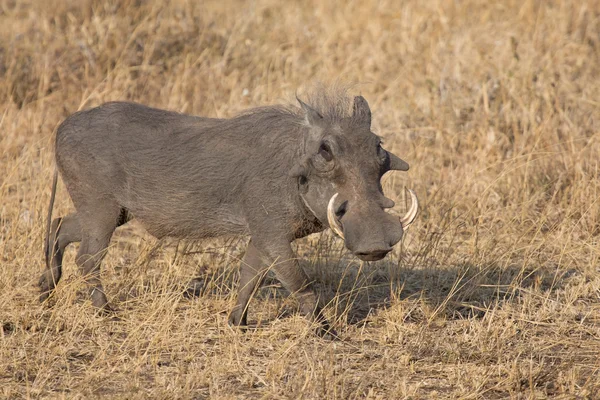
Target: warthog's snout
(370,233)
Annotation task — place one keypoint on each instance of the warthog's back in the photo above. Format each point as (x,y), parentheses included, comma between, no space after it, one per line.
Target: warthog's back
(180,175)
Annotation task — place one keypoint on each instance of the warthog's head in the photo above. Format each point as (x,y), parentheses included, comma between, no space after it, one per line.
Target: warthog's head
(339,181)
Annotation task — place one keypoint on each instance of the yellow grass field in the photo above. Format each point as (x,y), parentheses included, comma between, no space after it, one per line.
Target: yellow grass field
(493,293)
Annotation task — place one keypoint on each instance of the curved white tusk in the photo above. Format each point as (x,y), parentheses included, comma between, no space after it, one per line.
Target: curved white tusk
(334,224)
(410,215)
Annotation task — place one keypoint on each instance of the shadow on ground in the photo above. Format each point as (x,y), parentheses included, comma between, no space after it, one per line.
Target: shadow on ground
(355,292)
(457,291)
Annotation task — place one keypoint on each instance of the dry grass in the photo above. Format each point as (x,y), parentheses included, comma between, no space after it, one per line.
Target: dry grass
(495,292)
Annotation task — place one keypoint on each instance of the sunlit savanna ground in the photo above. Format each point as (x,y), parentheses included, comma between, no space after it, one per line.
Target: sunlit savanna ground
(493,293)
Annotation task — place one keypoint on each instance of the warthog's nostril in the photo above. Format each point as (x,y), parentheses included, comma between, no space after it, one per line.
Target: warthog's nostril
(341,210)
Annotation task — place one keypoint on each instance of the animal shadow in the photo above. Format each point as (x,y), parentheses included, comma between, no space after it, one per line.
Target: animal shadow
(355,291)
(456,291)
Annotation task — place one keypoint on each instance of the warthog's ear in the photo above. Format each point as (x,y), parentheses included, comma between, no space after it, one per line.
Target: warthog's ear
(361,111)
(313,118)
(396,163)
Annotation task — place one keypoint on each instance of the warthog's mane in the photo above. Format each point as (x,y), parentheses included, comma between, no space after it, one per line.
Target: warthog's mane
(333,104)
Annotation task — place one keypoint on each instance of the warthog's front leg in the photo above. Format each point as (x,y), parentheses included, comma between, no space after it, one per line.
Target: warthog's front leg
(281,259)
(294,279)
(252,270)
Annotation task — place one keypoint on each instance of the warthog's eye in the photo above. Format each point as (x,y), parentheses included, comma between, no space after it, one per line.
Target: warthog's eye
(325,152)
(303,184)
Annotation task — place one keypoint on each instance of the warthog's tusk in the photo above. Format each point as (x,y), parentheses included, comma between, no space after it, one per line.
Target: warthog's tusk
(334,224)
(409,217)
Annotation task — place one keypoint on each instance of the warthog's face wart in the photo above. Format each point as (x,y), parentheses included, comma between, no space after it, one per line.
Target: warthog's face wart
(339,181)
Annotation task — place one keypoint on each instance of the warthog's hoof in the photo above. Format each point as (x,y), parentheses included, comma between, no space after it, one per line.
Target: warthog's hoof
(326,332)
(44,295)
(194,288)
(237,320)
(106,310)
(100,302)
(46,285)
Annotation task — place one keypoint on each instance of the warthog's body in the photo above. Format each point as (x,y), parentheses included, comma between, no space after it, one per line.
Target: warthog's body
(263,173)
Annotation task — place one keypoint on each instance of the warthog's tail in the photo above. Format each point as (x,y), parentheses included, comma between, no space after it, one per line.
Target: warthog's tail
(49,219)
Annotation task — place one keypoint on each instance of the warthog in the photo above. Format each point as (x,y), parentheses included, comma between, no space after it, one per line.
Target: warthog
(273,173)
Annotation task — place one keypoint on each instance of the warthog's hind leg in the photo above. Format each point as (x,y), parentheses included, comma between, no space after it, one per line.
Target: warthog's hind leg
(63,232)
(97,230)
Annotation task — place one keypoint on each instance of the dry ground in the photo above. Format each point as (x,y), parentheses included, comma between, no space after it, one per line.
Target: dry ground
(495,291)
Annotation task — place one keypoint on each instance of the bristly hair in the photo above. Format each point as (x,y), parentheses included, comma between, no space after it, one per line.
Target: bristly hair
(332,102)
